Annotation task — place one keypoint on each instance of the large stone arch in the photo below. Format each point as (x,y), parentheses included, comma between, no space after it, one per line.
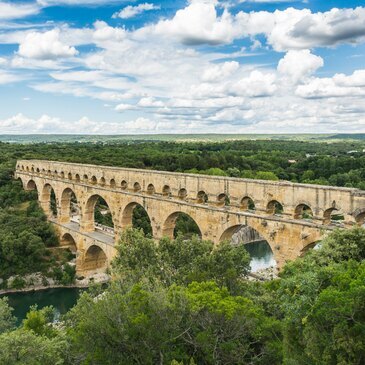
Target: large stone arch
(45,199)
(30,185)
(169,223)
(301,209)
(95,259)
(67,240)
(65,204)
(126,219)
(88,212)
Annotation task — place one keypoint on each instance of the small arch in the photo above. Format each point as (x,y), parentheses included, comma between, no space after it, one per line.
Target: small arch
(151,189)
(247,203)
(166,190)
(55,173)
(136,216)
(95,259)
(202,197)
(303,211)
(27,169)
(43,171)
(182,194)
(112,184)
(179,222)
(62,175)
(332,215)
(69,176)
(274,208)
(77,178)
(22,167)
(136,187)
(68,241)
(102,181)
(124,185)
(85,178)
(223,200)
(32,169)
(94,180)
(49,173)
(38,171)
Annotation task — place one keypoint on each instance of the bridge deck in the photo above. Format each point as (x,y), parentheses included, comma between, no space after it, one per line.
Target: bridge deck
(96,235)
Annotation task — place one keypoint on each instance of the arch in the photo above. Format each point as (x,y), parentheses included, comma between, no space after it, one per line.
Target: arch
(22,167)
(360,217)
(329,216)
(27,168)
(31,185)
(96,216)
(55,173)
(247,203)
(124,185)
(49,173)
(43,171)
(94,180)
(136,216)
(102,181)
(112,184)
(137,187)
(49,201)
(223,200)
(69,206)
(151,189)
(166,190)
(68,241)
(202,197)
(258,246)
(311,246)
(62,175)
(169,227)
(69,176)
(182,194)
(38,171)
(85,178)
(77,178)
(32,169)
(303,211)
(274,207)
(94,259)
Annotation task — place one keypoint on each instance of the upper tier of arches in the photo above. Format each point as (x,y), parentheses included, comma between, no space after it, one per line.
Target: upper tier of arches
(247,203)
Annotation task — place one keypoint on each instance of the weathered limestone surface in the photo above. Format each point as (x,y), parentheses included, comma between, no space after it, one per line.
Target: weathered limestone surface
(164,195)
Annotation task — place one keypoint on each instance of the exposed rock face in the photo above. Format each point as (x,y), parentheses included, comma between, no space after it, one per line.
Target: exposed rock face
(245,235)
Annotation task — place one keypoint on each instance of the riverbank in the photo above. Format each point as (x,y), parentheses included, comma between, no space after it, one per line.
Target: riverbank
(98,278)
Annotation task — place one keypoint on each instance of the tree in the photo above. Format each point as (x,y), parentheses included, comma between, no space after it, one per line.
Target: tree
(7,320)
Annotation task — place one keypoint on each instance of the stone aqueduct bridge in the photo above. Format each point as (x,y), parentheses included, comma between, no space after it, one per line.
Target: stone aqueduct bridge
(219,206)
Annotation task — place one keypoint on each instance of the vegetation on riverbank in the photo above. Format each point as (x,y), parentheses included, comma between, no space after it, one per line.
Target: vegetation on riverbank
(182,303)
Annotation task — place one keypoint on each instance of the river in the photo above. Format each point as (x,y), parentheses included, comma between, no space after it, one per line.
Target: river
(63,299)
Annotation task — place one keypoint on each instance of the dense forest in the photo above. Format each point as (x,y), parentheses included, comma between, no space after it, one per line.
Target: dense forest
(182,301)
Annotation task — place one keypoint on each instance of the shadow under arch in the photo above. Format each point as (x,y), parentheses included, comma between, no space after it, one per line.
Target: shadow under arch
(68,241)
(258,246)
(49,201)
(136,216)
(97,215)
(309,247)
(69,206)
(94,259)
(180,222)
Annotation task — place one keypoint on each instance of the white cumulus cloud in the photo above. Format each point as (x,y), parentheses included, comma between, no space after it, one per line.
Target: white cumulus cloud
(131,11)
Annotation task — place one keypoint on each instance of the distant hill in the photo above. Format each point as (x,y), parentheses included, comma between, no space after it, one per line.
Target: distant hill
(348,136)
(54,138)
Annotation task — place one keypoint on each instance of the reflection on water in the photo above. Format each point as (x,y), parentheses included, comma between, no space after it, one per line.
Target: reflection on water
(261,254)
(61,299)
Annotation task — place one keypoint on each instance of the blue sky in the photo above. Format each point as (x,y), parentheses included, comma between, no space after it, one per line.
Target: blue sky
(196,66)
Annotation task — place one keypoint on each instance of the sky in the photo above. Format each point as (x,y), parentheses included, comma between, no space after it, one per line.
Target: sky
(182,66)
